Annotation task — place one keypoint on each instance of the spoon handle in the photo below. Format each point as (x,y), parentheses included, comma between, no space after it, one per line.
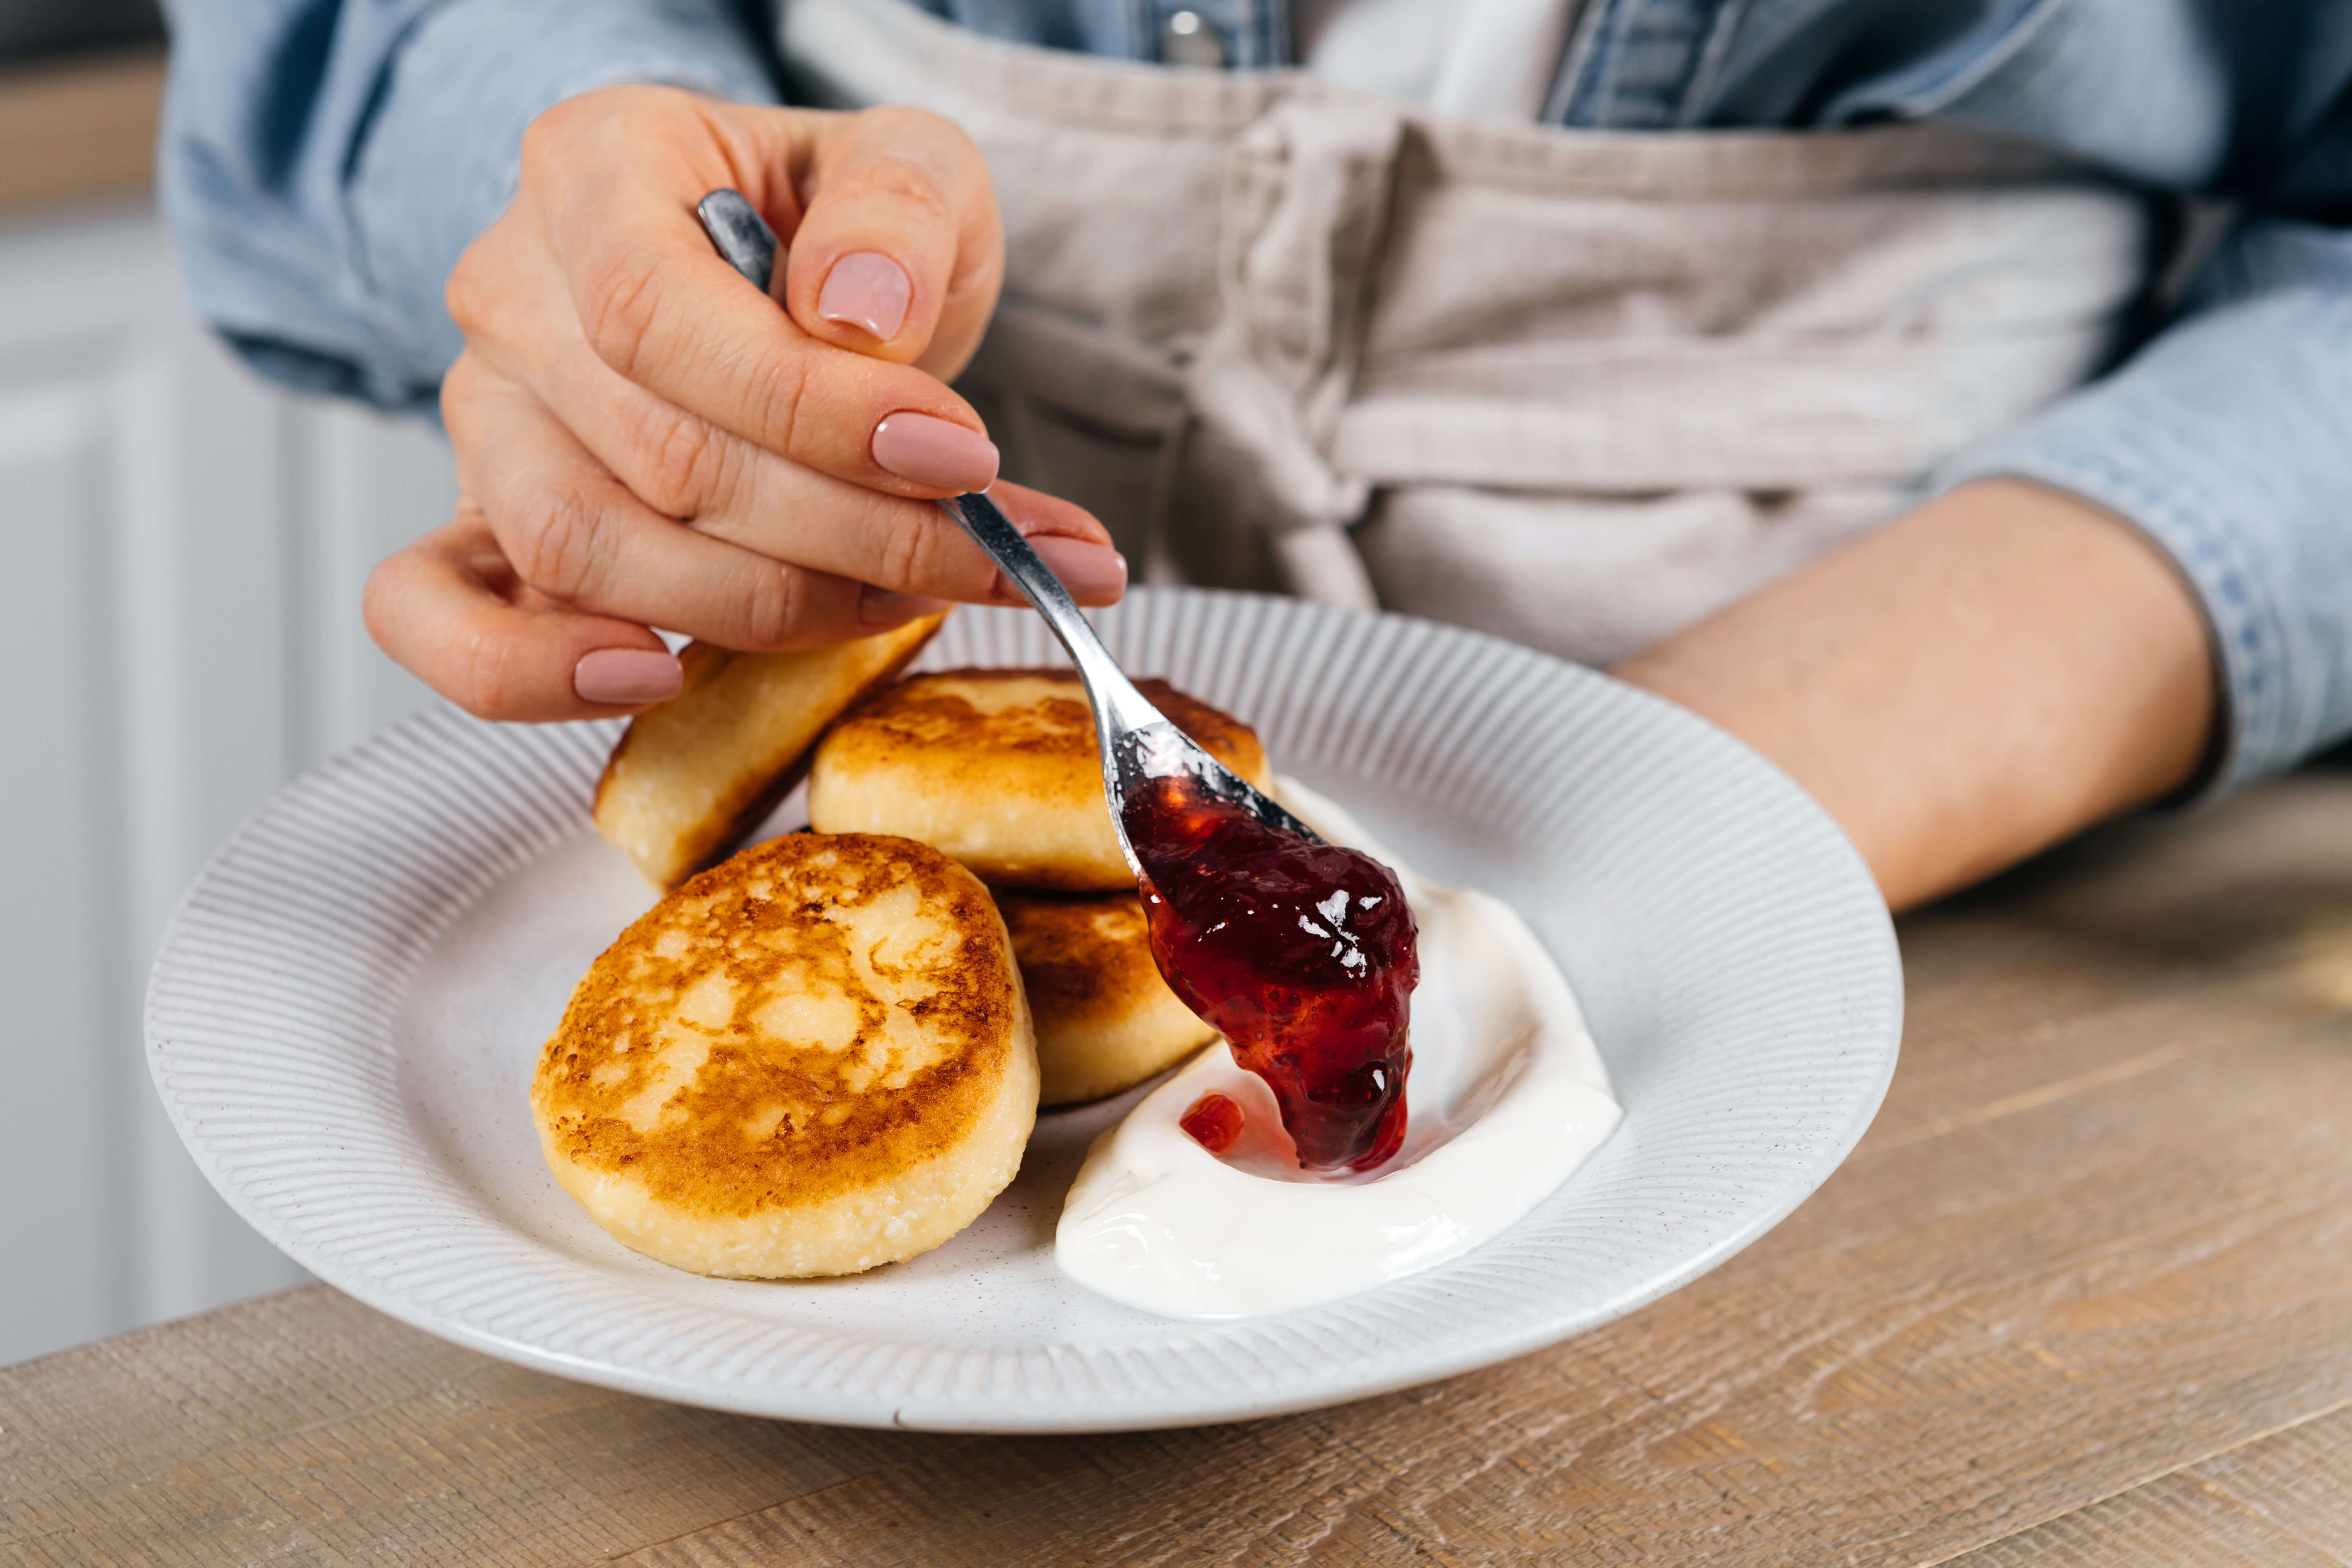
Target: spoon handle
(1118,706)
(1137,741)
(739,235)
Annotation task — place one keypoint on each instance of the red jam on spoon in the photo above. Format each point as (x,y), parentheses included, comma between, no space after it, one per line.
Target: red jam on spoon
(1301,955)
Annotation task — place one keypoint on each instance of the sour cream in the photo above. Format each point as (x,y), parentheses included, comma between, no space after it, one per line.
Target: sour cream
(1507,1096)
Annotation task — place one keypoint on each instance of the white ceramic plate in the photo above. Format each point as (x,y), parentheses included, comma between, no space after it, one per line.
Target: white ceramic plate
(348,1007)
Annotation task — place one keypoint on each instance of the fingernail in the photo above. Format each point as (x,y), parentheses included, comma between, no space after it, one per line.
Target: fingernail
(626,677)
(1092,572)
(935,453)
(887,607)
(867,289)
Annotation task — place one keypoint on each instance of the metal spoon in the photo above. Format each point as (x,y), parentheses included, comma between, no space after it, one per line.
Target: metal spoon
(1139,742)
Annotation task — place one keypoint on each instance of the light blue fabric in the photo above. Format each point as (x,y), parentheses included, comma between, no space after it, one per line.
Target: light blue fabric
(325,161)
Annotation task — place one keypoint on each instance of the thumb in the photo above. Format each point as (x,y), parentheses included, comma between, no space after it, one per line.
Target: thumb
(900,253)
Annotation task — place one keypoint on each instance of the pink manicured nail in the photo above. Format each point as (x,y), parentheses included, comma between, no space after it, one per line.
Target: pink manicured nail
(626,677)
(867,289)
(1094,574)
(887,607)
(935,453)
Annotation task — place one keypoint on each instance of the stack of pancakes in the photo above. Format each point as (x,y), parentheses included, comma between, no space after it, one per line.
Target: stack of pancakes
(826,1053)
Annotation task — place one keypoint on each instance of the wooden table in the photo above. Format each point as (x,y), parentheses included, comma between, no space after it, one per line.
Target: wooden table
(2083,1295)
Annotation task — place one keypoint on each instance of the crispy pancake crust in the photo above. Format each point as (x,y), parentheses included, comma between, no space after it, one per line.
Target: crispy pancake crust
(999,768)
(1105,1020)
(813,1058)
(691,776)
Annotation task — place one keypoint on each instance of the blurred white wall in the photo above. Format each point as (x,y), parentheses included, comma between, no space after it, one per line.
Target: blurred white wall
(181,557)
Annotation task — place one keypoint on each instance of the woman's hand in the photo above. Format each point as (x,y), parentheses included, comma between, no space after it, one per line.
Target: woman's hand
(642,440)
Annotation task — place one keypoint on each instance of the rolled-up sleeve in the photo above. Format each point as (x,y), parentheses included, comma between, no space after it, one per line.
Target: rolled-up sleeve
(2228,440)
(324,162)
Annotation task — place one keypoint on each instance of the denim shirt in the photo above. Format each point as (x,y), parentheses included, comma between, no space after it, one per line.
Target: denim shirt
(324,162)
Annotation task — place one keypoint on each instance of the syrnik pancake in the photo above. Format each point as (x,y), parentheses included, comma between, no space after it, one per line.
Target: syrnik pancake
(690,777)
(1105,1020)
(999,768)
(813,1058)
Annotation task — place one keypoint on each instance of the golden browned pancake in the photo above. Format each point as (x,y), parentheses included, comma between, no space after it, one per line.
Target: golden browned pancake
(999,768)
(811,1059)
(690,777)
(1106,1021)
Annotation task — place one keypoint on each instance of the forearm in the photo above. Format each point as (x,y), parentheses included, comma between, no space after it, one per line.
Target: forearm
(1983,677)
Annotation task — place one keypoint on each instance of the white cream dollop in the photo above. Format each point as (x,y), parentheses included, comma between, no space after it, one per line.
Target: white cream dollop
(1506,1097)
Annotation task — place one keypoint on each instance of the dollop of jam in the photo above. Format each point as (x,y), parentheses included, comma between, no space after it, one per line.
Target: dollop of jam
(1301,955)
(1215,1122)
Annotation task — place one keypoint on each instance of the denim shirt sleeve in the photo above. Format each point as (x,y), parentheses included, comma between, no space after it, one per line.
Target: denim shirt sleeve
(324,162)
(2228,440)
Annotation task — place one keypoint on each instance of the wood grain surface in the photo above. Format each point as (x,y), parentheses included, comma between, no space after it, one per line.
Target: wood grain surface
(2084,1295)
(79,130)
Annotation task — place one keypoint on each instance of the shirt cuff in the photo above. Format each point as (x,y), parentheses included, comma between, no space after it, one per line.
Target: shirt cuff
(2223,440)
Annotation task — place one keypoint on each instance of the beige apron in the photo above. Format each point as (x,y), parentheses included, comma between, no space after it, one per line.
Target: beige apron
(1577,388)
